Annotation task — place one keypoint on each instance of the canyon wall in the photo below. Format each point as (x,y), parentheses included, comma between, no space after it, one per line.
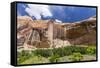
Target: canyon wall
(48,33)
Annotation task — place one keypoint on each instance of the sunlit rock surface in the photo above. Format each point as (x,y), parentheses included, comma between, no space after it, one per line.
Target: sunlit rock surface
(51,34)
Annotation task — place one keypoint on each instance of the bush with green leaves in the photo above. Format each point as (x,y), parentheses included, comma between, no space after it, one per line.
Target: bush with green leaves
(64,51)
(91,50)
(76,57)
(72,49)
(53,54)
(57,51)
(54,58)
(43,52)
(22,56)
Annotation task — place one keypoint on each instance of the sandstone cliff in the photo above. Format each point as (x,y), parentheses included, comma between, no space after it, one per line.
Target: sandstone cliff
(35,32)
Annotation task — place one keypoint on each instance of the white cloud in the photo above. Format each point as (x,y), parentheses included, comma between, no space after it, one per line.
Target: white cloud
(18,13)
(38,10)
(58,20)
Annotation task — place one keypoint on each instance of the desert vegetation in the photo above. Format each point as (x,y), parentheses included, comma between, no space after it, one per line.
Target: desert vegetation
(54,55)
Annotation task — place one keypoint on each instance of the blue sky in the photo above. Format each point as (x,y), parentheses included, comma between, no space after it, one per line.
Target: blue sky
(59,13)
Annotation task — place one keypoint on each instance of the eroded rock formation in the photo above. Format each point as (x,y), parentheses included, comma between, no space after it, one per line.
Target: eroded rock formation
(48,33)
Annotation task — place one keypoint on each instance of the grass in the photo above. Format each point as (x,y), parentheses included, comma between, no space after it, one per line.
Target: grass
(85,58)
(35,60)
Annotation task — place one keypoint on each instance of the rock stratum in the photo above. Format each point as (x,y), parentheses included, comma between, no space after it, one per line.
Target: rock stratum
(48,33)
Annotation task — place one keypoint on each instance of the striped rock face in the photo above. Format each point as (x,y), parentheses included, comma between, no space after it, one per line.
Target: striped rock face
(23,29)
(48,33)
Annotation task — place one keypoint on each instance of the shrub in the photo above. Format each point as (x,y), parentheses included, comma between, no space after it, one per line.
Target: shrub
(22,56)
(82,50)
(60,51)
(76,57)
(91,50)
(53,54)
(69,50)
(72,49)
(41,52)
(54,58)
